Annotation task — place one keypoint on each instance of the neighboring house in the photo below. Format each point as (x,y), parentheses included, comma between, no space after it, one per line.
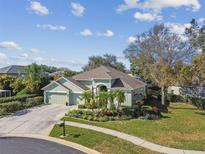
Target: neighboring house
(58,73)
(103,78)
(5,93)
(187,91)
(14,70)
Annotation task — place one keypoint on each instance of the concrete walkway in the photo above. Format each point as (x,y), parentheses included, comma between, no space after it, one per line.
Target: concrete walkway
(136,140)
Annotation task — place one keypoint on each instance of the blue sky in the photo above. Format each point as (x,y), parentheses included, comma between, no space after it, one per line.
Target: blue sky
(64,33)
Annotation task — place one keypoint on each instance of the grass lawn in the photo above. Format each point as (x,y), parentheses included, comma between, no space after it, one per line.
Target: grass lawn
(183,127)
(101,142)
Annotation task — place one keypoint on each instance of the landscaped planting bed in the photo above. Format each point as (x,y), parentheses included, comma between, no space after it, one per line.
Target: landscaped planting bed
(124,113)
(183,127)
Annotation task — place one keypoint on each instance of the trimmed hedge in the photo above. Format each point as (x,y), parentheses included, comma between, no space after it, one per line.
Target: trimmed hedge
(17,98)
(11,107)
(198,102)
(175,98)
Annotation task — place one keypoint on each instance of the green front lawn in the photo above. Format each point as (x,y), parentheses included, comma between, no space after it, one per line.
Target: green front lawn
(183,127)
(101,142)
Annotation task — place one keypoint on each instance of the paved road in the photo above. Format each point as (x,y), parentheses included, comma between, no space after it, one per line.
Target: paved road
(13,145)
(32,121)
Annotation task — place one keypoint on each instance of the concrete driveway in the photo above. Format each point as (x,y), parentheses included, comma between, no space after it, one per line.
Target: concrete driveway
(38,120)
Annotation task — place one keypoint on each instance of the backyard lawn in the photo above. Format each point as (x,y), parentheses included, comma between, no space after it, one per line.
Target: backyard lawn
(183,127)
(99,141)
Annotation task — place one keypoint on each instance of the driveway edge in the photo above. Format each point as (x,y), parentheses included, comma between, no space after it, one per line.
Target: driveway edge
(56,140)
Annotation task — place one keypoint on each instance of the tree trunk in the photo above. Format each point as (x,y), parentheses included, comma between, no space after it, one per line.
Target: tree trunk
(164,95)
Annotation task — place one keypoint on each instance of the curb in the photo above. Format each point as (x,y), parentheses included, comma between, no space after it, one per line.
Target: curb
(56,140)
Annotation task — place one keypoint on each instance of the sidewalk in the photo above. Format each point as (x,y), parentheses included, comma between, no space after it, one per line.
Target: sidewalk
(135,140)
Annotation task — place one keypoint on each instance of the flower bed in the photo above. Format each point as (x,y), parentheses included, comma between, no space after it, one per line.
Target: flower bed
(124,113)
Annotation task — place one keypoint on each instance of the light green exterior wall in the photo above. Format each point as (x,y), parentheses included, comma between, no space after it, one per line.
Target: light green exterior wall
(74,92)
(75,99)
(128,98)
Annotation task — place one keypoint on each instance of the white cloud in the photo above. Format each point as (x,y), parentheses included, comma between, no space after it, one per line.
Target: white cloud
(158,5)
(77,9)
(128,4)
(109,33)
(86,32)
(51,27)
(34,50)
(3,57)
(131,40)
(177,28)
(146,16)
(9,45)
(201,20)
(38,8)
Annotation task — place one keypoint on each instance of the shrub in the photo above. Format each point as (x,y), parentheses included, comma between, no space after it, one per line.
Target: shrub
(12,106)
(198,102)
(75,113)
(2,111)
(103,119)
(17,98)
(125,117)
(175,98)
(35,101)
(22,92)
(151,113)
(81,106)
(130,111)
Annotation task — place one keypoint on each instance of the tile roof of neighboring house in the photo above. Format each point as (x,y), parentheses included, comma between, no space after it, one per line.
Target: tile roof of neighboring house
(106,72)
(13,69)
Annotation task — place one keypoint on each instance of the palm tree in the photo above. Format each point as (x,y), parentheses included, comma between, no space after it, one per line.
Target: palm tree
(86,96)
(102,98)
(111,97)
(120,96)
(35,78)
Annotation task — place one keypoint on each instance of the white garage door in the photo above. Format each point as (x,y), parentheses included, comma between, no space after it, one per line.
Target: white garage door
(57,98)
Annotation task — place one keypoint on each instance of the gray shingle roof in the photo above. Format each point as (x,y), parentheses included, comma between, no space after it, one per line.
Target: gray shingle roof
(13,69)
(105,72)
(78,83)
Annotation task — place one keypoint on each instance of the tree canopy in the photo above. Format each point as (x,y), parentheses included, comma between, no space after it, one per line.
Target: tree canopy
(156,55)
(107,60)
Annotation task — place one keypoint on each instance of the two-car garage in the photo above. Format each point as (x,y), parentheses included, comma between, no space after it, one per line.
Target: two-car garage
(63,91)
(56,98)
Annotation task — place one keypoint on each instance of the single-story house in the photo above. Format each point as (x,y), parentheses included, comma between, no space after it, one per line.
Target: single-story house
(14,70)
(103,78)
(194,91)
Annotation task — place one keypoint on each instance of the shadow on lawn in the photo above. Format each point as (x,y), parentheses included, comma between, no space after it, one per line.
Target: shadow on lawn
(200,113)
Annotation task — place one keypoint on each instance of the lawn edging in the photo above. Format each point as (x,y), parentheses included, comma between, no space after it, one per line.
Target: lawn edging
(56,140)
(135,140)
